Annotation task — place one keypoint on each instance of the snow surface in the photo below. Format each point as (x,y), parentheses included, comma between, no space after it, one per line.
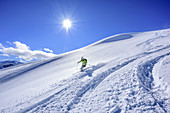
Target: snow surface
(125,73)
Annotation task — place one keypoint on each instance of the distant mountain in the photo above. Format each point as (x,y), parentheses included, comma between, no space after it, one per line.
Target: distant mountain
(8,63)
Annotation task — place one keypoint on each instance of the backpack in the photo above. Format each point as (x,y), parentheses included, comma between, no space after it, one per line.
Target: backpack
(85,59)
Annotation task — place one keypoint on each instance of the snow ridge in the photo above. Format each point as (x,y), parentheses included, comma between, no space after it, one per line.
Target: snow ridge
(13,75)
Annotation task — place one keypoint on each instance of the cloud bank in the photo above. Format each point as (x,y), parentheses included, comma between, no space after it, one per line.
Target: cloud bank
(48,50)
(23,52)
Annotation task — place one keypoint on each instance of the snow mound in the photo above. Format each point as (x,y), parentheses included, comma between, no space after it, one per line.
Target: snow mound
(115,38)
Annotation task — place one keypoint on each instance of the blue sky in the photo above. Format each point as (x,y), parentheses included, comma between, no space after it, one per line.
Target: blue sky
(33,25)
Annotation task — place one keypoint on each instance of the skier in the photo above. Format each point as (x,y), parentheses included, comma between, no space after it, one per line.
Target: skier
(84,63)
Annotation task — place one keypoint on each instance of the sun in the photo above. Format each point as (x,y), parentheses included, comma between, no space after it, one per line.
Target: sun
(67,24)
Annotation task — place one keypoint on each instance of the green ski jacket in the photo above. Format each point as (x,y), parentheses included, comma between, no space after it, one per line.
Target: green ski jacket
(84,61)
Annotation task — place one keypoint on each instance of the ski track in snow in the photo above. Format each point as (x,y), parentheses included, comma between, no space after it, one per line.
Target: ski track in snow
(146,79)
(115,88)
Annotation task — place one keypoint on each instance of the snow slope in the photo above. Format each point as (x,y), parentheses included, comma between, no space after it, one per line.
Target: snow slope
(125,73)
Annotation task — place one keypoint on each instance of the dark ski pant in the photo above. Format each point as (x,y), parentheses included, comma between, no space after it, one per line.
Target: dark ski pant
(82,67)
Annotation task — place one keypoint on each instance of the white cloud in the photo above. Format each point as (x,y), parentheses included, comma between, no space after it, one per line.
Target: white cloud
(21,46)
(23,52)
(8,42)
(6,55)
(1,46)
(48,50)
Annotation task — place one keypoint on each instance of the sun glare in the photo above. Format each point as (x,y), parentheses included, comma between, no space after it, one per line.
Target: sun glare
(67,24)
